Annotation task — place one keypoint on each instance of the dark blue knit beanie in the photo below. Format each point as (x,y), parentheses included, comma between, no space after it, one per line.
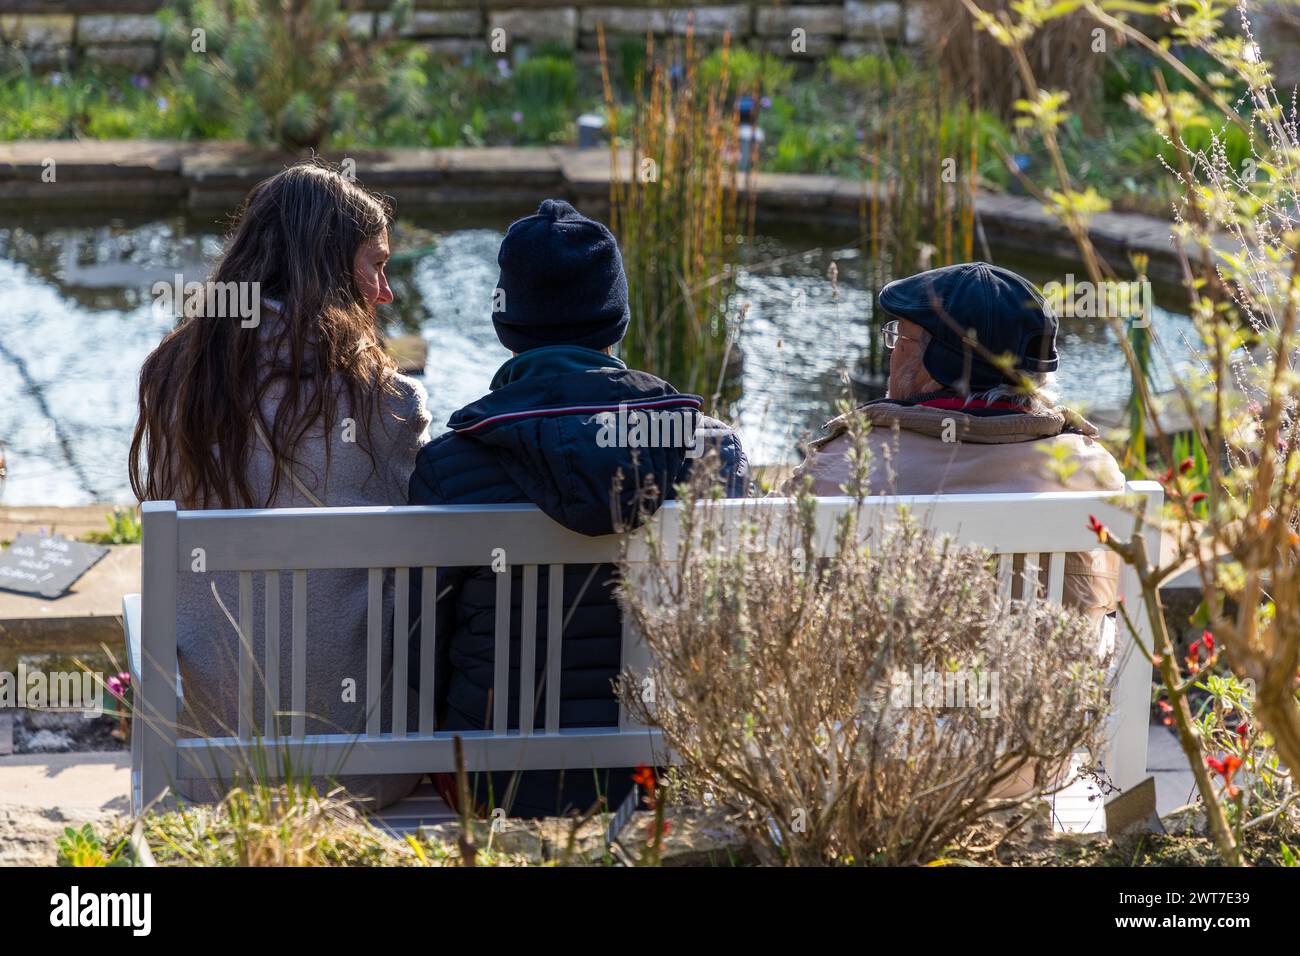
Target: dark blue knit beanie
(562,282)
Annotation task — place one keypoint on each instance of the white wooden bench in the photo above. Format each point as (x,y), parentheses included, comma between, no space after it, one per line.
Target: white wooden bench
(1042,527)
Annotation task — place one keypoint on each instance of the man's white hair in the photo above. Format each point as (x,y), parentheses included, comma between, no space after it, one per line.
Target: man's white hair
(1039,391)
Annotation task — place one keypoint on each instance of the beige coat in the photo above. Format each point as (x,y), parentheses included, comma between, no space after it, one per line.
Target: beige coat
(917,450)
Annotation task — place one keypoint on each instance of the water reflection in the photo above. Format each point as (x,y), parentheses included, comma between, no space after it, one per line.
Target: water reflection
(77,320)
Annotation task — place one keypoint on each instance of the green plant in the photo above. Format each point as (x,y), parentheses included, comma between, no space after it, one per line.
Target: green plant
(123,528)
(544,90)
(737,70)
(294,75)
(869,71)
(291,824)
(631,53)
(1135,452)
(1254,786)
(85,848)
(1189,452)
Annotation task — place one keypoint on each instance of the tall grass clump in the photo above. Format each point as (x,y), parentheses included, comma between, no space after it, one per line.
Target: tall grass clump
(791,680)
(920,158)
(678,211)
(1062,53)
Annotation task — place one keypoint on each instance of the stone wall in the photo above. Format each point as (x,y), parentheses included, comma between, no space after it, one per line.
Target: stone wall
(56,33)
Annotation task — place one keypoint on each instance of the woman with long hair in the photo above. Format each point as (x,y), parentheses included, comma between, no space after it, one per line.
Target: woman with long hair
(292,403)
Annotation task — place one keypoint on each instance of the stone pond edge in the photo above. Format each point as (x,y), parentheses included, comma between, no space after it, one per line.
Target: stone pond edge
(86,177)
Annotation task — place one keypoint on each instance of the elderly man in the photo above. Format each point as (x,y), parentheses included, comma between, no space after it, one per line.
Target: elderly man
(968,408)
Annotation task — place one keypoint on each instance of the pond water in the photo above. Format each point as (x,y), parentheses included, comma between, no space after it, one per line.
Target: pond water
(77,319)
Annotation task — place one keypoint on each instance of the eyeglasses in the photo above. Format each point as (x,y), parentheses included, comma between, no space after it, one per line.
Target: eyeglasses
(889,334)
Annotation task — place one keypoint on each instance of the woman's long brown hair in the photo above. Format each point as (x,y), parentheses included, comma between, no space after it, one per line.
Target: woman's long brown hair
(201,389)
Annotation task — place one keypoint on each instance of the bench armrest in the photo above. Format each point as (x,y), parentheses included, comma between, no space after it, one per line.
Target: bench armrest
(131,624)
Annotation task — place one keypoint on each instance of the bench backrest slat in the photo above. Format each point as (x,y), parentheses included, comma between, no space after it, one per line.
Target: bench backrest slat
(554,645)
(247,665)
(298,718)
(428,659)
(401,646)
(271,704)
(374,649)
(501,655)
(1056,577)
(527,650)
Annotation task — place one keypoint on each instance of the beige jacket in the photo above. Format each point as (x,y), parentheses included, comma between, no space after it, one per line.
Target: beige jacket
(1054,450)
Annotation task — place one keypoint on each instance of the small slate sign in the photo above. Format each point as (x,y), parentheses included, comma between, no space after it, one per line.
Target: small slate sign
(47,566)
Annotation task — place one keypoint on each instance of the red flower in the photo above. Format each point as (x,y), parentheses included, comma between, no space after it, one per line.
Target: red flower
(1186,466)
(1194,651)
(1243,729)
(644,777)
(1225,768)
(1097,528)
(1197,498)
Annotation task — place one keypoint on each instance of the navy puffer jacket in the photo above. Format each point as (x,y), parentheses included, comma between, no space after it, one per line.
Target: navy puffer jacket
(537,438)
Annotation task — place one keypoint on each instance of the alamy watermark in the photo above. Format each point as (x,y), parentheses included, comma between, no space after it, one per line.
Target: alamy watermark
(57,690)
(213,300)
(1085,299)
(649,428)
(77,908)
(924,687)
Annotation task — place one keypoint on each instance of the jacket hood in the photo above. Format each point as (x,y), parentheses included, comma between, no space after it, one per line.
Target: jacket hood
(583,436)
